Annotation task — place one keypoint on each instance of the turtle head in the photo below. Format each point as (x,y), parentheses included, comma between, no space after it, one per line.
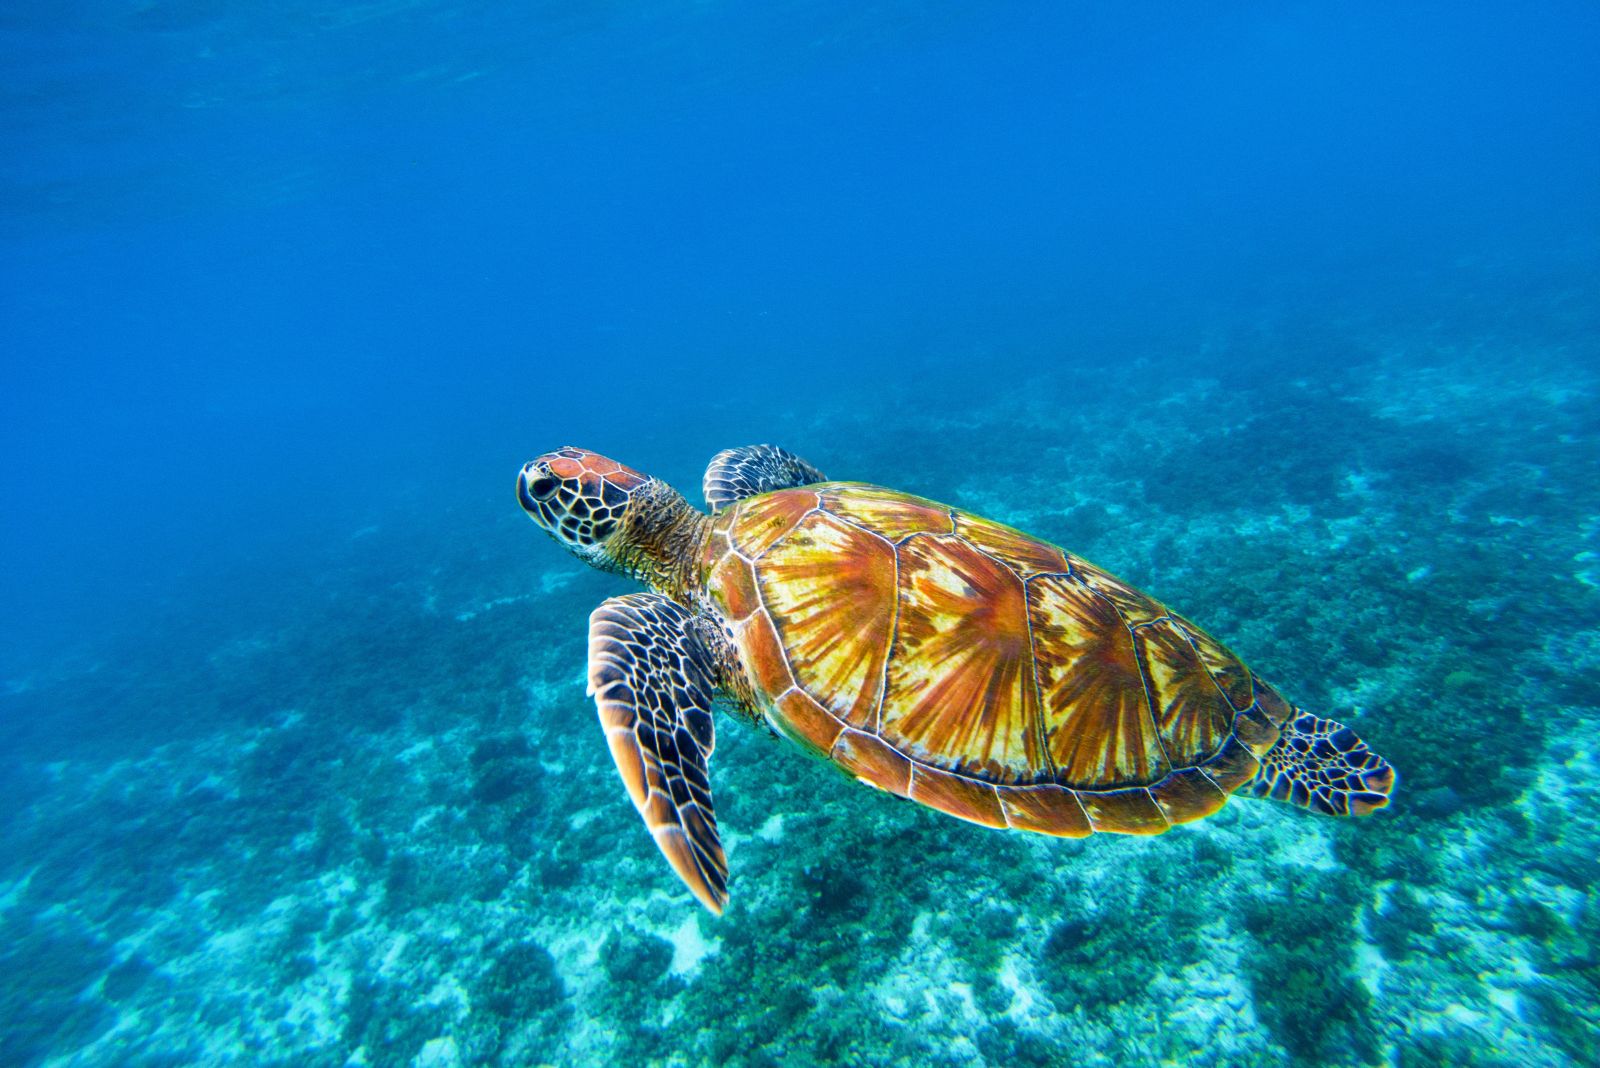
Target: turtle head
(579,498)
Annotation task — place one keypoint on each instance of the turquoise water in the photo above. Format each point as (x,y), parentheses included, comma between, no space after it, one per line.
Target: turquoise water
(1286,316)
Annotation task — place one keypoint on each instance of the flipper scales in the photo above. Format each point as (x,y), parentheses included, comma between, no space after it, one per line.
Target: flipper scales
(1321,764)
(735,474)
(652,679)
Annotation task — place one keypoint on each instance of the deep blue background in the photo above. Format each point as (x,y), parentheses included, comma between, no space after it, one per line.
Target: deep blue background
(273,272)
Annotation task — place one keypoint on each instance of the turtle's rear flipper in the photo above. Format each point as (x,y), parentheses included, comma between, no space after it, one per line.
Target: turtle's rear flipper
(651,677)
(1320,764)
(735,474)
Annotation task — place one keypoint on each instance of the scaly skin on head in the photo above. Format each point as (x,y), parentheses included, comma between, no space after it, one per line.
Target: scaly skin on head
(616,519)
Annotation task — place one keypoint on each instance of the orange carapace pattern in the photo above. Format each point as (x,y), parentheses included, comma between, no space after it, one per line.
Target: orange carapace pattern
(963,664)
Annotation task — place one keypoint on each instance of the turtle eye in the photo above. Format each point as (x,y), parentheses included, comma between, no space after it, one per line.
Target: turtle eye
(542,488)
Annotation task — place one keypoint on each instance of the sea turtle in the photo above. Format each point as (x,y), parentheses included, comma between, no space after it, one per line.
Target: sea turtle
(926,651)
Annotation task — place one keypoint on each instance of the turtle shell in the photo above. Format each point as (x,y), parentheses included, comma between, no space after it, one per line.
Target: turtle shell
(950,659)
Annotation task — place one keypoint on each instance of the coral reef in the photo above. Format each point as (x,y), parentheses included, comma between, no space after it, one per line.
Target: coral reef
(366,816)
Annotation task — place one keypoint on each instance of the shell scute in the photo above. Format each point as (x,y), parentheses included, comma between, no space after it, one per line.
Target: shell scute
(874,761)
(1272,704)
(829,589)
(734,586)
(1135,607)
(761,521)
(893,515)
(1130,811)
(804,721)
(1233,678)
(964,798)
(1258,733)
(764,657)
(961,693)
(1191,713)
(1234,766)
(1096,713)
(1187,795)
(1045,809)
(1027,555)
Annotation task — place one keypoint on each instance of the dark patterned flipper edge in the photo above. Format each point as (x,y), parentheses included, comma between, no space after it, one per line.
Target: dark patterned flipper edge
(735,474)
(1321,764)
(651,679)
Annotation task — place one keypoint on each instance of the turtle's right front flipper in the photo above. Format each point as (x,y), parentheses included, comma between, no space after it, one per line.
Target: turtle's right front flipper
(652,681)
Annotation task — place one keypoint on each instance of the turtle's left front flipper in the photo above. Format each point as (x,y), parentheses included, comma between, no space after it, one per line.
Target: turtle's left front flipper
(1323,765)
(652,678)
(735,474)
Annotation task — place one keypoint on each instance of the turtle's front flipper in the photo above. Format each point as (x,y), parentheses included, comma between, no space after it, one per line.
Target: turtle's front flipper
(1320,764)
(735,474)
(652,679)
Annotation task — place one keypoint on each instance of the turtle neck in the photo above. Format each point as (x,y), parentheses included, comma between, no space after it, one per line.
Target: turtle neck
(662,538)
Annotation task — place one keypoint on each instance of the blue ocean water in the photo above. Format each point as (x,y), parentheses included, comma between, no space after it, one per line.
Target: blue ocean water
(1287,314)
